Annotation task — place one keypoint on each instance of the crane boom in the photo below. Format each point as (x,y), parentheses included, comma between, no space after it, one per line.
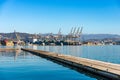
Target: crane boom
(71,31)
(74,30)
(16,35)
(80,32)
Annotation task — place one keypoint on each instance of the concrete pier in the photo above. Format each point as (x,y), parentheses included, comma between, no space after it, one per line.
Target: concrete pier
(105,69)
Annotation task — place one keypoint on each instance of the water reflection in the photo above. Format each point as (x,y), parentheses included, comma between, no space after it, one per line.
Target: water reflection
(103,53)
(22,65)
(13,55)
(34,47)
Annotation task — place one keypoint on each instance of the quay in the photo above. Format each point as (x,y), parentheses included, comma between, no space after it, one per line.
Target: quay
(105,69)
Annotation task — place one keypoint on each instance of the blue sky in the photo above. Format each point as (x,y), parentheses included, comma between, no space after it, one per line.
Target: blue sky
(44,16)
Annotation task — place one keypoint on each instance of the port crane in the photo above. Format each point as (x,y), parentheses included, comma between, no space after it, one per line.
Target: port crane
(74,35)
(17,40)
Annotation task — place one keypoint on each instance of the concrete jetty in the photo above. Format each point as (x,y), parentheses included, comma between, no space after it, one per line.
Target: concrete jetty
(105,69)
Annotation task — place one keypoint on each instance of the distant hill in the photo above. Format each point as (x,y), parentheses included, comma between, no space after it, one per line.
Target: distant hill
(83,37)
(99,36)
(12,35)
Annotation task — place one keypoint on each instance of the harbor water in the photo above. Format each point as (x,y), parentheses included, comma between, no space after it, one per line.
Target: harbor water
(22,65)
(107,53)
(25,66)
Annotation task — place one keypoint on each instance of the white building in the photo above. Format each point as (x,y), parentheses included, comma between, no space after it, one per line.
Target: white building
(32,40)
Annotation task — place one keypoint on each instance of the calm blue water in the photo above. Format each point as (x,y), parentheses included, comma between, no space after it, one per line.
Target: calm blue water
(106,53)
(25,66)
